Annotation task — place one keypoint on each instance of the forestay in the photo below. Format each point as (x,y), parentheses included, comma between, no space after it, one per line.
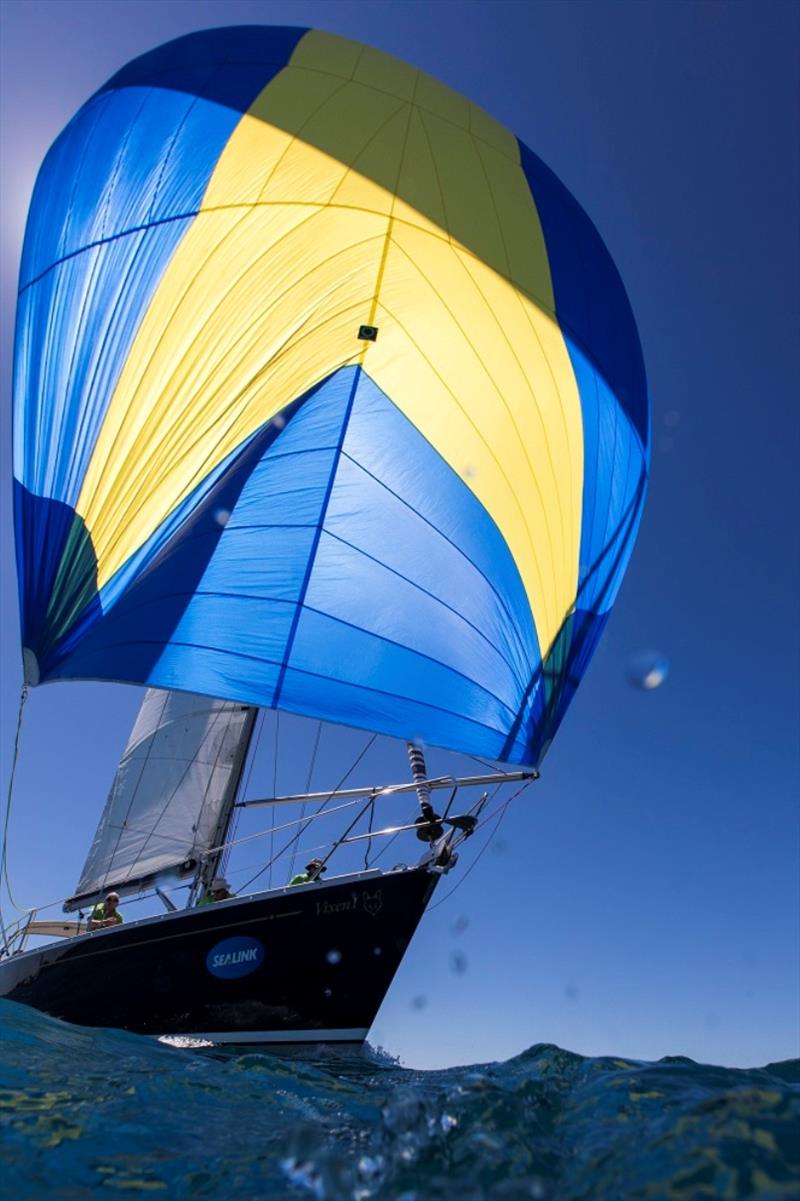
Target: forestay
(172,794)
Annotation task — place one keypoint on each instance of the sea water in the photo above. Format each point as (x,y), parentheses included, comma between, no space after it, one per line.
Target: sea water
(103,1114)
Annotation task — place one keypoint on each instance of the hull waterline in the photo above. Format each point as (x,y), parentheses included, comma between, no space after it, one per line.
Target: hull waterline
(299,965)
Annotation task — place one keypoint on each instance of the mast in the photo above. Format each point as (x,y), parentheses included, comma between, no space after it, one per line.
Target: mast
(210,864)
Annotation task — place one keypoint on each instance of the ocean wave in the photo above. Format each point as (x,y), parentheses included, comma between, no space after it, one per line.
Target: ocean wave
(99,1113)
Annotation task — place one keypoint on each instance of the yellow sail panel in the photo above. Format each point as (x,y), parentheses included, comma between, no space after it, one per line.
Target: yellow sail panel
(351,194)
(484,375)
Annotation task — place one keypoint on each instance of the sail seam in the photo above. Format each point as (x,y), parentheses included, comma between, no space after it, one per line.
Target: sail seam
(439,600)
(276,696)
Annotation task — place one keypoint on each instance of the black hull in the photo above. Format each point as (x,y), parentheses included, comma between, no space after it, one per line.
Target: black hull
(306,964)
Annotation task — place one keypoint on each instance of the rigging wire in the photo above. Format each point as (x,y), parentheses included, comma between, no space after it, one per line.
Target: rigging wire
(274,789)
(296,821)
(501,812)
(369,831)
(4,853)
(319,809)
(308,789)
(484,762)
(386,845)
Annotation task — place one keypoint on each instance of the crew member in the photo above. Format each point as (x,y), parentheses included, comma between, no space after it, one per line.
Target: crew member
(218,890)
(313,871)
(105,913)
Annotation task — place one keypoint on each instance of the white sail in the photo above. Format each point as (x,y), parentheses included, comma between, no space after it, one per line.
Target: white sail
(172,795)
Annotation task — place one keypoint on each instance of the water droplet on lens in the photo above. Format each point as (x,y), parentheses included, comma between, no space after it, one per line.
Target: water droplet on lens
(459,925)
(370,1165)
(334,956)
(571,992)
(222,516)
(327,992)
(469,472)
(279,421)
(419,1002)
(671,418)
(666,444)
(647,670)
(377,950)
(499,846)
(458,963)
(302,1172)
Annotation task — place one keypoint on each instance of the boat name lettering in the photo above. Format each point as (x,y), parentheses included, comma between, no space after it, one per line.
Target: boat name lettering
(235,957)
(325,907)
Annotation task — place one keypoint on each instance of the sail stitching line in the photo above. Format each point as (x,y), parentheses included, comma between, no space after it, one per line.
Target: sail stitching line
(276,696)
(345,683)
(122,290)
(154,418)
(625,524)
(539,302)
(388,239)
(284,203)
(441,116)
(464,261)
(534,332)
(481,438)
(335,465)
(479,432)
(87,297)
(432,596)
(248,209)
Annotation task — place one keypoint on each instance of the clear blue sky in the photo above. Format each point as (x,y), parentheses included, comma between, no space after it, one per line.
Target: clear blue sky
(642,899)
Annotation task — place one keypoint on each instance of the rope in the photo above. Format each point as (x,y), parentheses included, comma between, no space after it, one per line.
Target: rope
(4,853)
(319,809)
(501,814)
(369,831)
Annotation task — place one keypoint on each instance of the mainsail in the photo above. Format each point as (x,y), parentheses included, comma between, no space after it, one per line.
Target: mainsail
(172,795)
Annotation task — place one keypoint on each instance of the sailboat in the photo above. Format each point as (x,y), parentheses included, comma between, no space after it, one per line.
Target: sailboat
(328,947)
(329,401)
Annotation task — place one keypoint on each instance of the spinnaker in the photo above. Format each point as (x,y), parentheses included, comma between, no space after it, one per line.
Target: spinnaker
(328,398)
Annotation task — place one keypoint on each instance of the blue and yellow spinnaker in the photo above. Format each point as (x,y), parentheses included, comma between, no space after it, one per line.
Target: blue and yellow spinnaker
(328,397)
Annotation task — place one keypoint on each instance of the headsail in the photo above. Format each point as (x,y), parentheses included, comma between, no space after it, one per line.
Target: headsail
(329,398)
(172,794)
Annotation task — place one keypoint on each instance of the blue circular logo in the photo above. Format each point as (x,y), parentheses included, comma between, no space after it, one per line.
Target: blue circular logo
(234,957)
